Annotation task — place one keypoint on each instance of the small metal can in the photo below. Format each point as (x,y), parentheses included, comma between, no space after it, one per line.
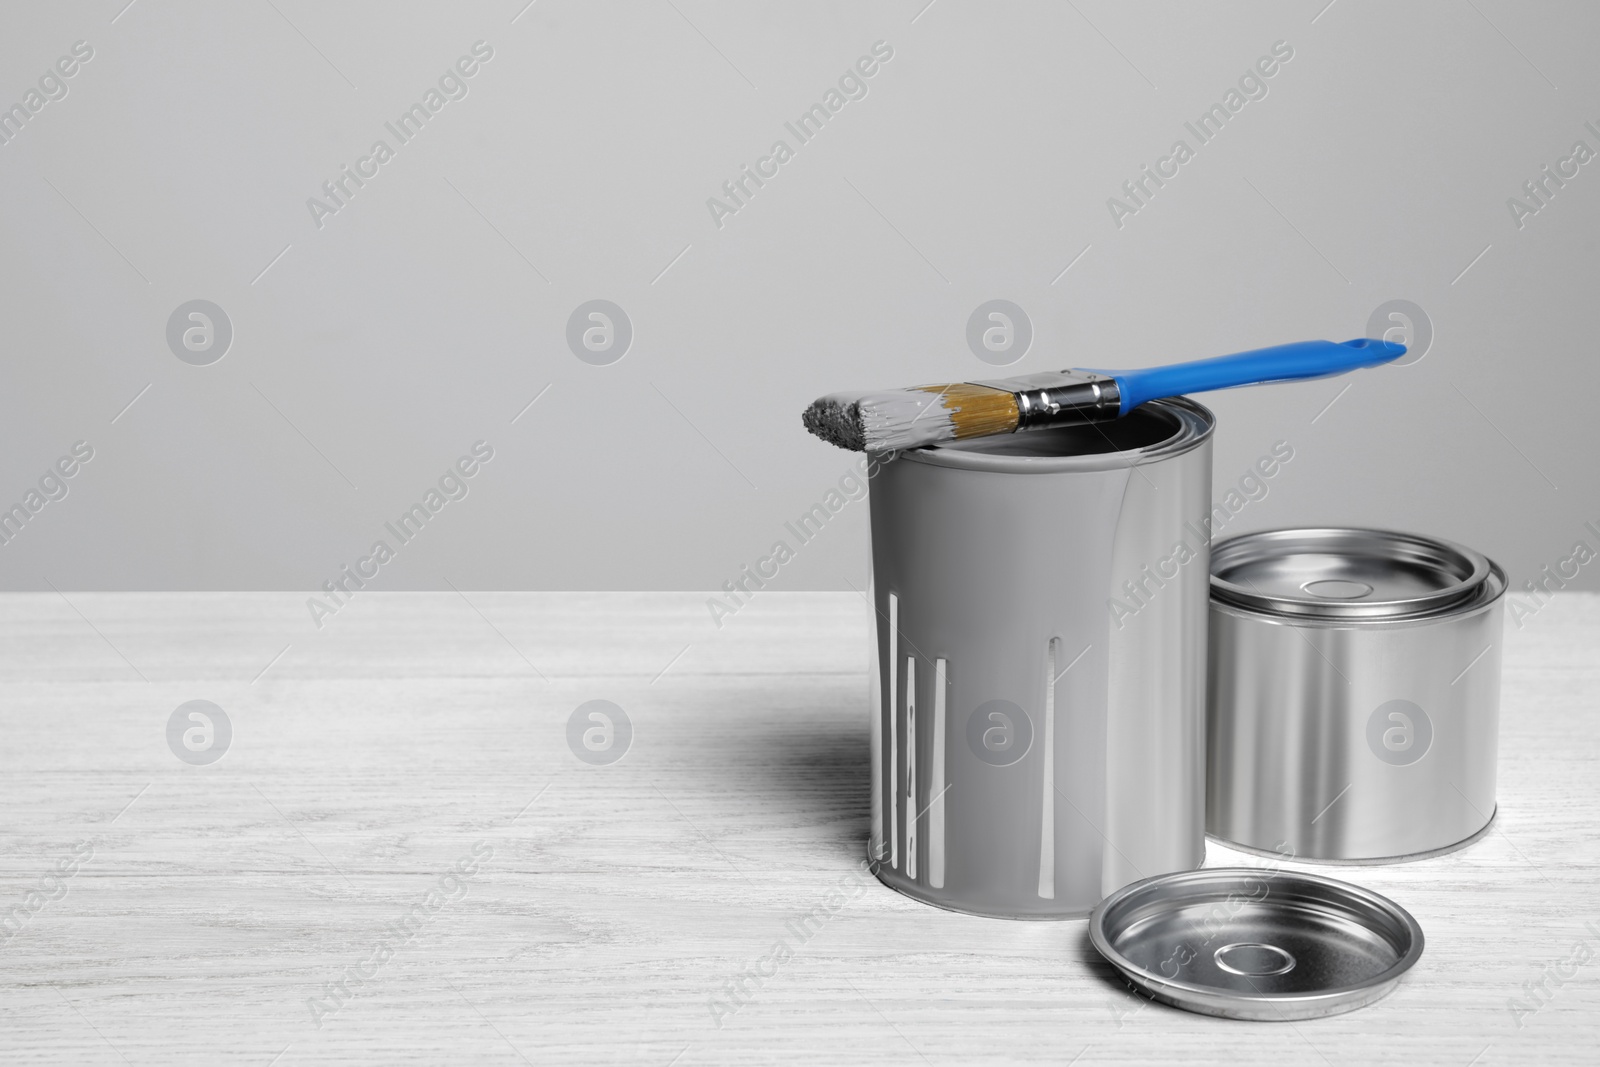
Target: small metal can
(1353,697)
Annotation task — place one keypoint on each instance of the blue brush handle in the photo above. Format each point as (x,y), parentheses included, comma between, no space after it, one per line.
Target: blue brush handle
(1280,363)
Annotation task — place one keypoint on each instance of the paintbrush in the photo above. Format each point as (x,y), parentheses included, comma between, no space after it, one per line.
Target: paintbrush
(930,414)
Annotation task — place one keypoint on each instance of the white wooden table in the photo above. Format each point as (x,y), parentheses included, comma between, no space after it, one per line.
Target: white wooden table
(614,905)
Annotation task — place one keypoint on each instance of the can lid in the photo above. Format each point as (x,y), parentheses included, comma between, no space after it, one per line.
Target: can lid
(1256,944)
(1345,573)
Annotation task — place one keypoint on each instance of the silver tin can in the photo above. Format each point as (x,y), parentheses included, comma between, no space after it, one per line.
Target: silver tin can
(1035,747)
(1354,695)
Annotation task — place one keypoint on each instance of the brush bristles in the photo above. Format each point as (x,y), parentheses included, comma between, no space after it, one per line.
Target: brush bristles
(908,418)
(836,419)
(979,410)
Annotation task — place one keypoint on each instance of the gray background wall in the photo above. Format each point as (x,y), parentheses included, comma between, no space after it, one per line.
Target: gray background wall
(372,351)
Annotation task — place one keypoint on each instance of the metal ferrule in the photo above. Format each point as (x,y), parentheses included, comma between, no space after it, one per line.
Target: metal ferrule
(1066,398)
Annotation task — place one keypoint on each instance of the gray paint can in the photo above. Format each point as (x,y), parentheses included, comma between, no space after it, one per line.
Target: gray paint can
(1038,689)
(1354,695)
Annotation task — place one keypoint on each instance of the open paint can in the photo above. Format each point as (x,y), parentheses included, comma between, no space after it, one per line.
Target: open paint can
(1035,743)
(1354,695)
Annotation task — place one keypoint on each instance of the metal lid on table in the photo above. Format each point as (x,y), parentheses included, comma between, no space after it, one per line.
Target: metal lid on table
(1256,944)
(1346,574)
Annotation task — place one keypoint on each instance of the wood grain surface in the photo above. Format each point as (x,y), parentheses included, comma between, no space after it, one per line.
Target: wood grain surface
(398,809)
